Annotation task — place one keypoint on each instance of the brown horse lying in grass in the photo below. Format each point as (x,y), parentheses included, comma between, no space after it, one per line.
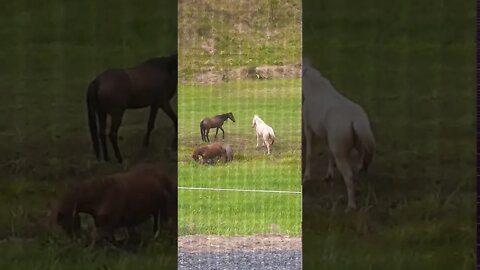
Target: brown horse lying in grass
(122,200)
(209,153)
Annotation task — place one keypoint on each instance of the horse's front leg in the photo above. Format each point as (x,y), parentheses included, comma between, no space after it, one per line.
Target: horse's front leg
(331,167)
(216,132)
(258,138)
(309,146)
(206,134)
(104,229)
(167,108)
(223,133)
(151,124)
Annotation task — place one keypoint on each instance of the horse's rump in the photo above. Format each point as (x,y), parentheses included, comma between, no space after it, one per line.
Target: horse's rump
(113,90)
(228,152)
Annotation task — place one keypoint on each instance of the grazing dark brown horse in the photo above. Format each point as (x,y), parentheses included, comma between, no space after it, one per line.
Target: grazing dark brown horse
(122,200)
(209,153)
(150,84)
(214,122)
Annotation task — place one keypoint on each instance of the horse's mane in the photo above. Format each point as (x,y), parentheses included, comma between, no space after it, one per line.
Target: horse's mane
(222,115)
(164,62)
(313,75)
(258,118)
(80,191)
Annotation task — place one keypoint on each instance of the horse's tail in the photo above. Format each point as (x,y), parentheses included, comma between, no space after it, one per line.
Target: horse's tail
(367,142)
(92,102)
(272,137)
(201,131)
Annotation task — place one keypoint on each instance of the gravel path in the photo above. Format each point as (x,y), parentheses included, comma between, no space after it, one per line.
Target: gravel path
(230,253)
(238,259)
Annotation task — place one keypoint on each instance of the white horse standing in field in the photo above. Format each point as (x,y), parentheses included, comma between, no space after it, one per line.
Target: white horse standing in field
(264,132)
(332,119)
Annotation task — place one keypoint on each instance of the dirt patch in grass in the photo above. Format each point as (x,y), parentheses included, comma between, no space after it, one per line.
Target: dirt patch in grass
(264,72)
(212,243)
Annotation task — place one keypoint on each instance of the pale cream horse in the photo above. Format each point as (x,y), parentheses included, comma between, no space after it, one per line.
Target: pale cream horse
(342,125)
(264,132)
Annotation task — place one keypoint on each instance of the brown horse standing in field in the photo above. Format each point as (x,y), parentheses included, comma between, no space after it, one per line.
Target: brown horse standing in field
(209,153)
(214,122)
(150,84)
(120,200)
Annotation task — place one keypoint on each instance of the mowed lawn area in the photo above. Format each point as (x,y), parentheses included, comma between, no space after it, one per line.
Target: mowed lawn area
(49,52)
(411,65)
(277,102)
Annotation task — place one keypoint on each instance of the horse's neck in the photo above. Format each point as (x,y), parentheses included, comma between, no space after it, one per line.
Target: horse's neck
(259,121)
(223,117)
(323,87)
(260,125)
(86,197)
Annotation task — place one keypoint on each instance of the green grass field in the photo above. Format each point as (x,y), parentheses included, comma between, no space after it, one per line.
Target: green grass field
(49,52)
(411,65)
(240,213)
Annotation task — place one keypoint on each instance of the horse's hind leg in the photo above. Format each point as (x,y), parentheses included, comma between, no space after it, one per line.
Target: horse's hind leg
(268,147)
(347,173)
(150,125)
(206,134)
(113,135)
(102,121)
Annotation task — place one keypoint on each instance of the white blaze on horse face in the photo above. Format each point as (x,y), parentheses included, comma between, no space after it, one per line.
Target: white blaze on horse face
(254,121)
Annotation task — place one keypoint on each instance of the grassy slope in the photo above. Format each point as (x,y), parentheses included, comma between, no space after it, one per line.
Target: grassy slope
(50,50)
(411,66)
(214,212)
(241,33)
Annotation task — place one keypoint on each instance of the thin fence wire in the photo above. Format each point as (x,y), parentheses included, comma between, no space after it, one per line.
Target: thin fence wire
(241,190)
